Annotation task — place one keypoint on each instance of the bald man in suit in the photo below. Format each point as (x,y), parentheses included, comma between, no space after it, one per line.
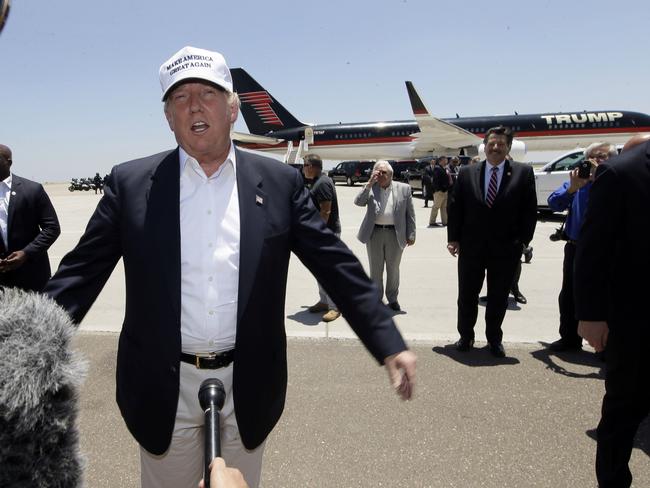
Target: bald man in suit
(28,227)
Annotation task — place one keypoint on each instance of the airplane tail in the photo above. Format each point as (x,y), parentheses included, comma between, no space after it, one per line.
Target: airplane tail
(416,102)
(262,113)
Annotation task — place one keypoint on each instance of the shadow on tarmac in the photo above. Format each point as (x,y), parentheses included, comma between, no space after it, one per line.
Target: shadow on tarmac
(512,303)
(578,358)
(641,440)
(305,317)
(477,357)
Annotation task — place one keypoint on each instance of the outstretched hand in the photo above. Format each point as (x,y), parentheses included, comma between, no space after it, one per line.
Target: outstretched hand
(401,372)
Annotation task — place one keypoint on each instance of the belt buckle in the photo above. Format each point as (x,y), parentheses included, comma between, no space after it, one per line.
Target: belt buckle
(198,357)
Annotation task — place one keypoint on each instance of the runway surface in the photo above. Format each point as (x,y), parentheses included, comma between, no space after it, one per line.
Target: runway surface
(526,420)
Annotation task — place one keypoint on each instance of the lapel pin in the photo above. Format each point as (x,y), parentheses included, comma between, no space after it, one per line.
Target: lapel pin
(259,200)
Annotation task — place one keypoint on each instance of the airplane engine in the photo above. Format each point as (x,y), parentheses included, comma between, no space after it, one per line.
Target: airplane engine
(517,151)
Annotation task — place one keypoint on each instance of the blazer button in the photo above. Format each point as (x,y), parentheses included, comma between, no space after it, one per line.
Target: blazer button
(173,369)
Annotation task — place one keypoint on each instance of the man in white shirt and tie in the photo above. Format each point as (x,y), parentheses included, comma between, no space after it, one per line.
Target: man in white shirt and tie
(28,227)
(492,217)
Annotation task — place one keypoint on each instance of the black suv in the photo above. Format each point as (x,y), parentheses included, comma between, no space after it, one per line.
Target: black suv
(413,176)
(401,168)
(351,172)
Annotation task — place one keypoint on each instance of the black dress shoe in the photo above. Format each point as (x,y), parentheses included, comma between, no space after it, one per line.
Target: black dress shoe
(463,344)
(394,306)
(497,350)
(562,345)
(519,298)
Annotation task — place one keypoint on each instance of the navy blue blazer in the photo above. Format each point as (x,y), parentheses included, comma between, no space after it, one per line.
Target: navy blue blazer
(32,227)
(138,219)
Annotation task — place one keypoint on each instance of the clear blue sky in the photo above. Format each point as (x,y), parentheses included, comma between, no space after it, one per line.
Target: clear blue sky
(79,78)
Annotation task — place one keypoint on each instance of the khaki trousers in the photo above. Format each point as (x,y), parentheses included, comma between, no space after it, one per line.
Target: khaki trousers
(439,203)
(182,465)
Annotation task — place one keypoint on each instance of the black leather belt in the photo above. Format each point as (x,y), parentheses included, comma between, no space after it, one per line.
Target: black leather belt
(385,226)
(209,361)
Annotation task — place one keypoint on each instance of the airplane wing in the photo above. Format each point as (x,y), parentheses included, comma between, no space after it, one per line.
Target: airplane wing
(254,139)
(436,134)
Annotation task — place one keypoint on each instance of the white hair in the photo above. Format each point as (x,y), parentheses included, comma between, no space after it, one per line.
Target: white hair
(385,164)
(611,149)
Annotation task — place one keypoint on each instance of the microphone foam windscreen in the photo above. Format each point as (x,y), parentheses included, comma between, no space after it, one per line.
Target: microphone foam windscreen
(39,379)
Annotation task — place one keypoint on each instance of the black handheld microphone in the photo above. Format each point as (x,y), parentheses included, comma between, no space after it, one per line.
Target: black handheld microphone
(212,395)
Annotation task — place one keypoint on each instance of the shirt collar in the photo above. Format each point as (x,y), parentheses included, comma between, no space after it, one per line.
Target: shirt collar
(183,158)
(7,181)
(501,165)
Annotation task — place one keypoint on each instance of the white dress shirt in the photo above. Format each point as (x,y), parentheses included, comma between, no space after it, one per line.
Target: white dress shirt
(385,215)
(488,175)
(5,196)
(209,221)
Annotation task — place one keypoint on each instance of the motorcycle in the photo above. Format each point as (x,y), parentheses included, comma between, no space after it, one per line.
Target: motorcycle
(82,184)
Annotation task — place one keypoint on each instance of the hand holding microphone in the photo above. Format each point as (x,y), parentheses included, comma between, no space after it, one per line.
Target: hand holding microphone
(212,396)
(222,476)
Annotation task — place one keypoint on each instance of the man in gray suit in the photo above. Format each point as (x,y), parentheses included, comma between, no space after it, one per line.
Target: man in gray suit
(387,228)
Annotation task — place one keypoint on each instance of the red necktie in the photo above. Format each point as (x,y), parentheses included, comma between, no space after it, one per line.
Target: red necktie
(492,187)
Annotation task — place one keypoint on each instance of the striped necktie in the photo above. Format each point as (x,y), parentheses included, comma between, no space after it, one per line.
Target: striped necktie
(492,187)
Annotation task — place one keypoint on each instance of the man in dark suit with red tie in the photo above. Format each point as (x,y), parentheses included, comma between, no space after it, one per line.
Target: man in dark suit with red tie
(206,232)
(28,227)
(492,217)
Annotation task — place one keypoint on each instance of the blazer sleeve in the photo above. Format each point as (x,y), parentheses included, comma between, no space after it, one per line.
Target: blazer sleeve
(48,224)
(361,199)
(595,248)
(341,274)
(410,214)
(83,272)
(528,206)
(455,209)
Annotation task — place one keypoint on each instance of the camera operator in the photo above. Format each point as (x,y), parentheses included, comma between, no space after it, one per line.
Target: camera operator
(573,195)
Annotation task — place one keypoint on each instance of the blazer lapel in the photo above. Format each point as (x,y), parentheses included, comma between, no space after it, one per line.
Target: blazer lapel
(252,224)
(479,179)
(162,223)
(505,180)
(14,201)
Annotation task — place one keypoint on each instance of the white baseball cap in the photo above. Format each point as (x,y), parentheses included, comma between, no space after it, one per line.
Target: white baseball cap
(194,63)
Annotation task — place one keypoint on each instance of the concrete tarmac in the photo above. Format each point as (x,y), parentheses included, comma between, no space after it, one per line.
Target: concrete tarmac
(526,420)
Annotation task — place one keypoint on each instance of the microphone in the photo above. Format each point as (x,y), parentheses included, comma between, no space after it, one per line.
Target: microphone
(39,390)
(212,396)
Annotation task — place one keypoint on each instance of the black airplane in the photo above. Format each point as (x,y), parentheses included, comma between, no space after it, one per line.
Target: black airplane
(274,129)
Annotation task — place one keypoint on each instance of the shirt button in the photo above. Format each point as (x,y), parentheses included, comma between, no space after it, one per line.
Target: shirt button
(209,244)
(211,343)
(209,212)
(210,312)
(210,278)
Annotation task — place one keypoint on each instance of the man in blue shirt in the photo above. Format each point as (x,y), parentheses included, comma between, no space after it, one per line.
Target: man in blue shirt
(574,195)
